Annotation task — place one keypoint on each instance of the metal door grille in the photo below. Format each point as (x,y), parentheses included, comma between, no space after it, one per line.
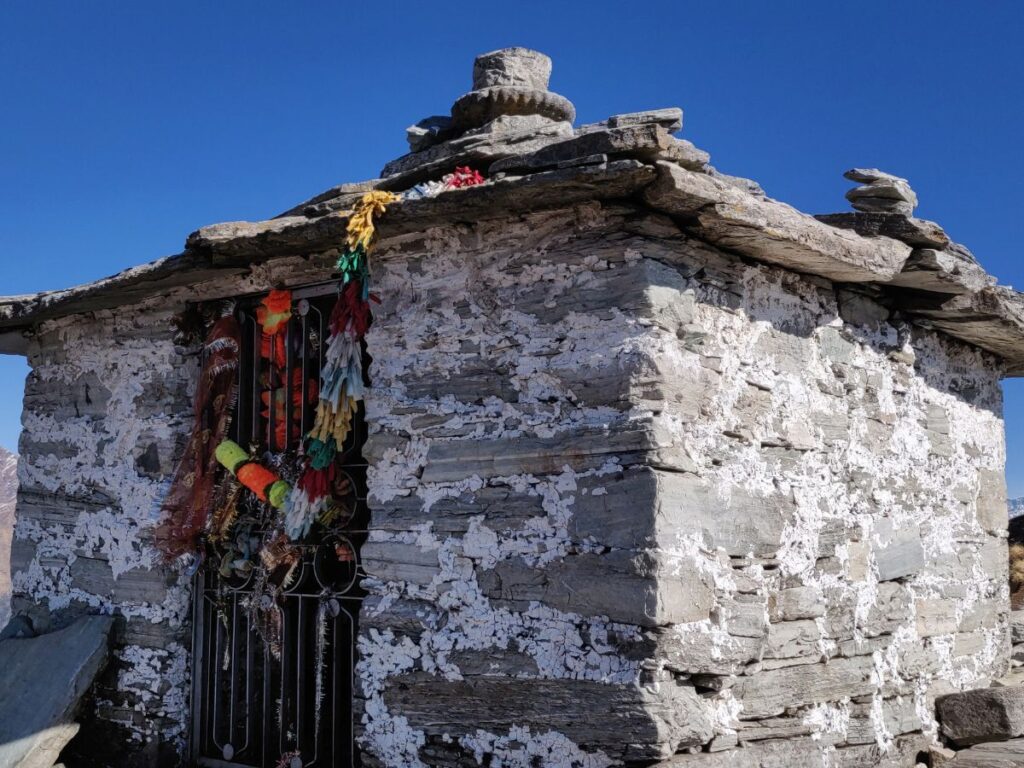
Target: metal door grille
(256,703)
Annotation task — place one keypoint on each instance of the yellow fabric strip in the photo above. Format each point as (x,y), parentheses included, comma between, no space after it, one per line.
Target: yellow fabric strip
(361,229)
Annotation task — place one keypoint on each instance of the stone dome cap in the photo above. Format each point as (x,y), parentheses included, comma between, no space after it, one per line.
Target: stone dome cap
(506,82)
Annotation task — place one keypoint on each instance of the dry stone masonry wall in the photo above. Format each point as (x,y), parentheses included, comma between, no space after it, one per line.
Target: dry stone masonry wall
(634,496)
(662,471)
(504,426)
(105,403)
(842,496)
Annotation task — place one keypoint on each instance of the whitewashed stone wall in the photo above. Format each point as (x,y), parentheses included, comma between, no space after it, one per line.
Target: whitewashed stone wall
(844,497)
(634,498)
(105,403)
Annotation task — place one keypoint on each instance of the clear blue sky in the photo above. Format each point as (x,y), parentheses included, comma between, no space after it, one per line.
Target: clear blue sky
(124,126)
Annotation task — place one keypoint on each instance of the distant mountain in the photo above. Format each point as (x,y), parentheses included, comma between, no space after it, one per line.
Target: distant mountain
(8,494)
(1017,507)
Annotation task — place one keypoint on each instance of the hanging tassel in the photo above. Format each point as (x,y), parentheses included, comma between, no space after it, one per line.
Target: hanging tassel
(334,424)
(353,266)
(321,454)
(341,381)
(317,482)
(299,514)
(361,230)
(310,498)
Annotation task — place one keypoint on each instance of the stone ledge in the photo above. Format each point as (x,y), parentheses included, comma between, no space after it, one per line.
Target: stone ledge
(231,248)
(919,233)
(131,285)
(950,271)
(474,148)
(642,141)
(771,231)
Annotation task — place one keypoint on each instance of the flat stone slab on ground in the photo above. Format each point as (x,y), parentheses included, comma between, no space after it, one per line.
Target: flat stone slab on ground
(42,680)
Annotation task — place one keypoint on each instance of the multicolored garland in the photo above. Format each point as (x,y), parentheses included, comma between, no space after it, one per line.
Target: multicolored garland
(265,483)
(463,176)
(342,387)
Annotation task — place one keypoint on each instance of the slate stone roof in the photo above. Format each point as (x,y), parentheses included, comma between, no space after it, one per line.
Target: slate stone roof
(534,158)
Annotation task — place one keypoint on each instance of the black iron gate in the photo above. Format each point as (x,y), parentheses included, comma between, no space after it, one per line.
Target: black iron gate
(273,654)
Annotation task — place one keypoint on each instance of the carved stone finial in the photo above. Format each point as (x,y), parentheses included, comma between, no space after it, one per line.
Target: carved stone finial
(519,67)
(880,192)
(510,82)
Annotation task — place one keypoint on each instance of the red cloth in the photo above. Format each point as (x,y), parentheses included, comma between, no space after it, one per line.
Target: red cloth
(464,176)
(316,483)
(351,313)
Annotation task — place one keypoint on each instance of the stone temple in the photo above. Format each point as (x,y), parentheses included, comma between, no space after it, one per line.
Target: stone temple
(657,471)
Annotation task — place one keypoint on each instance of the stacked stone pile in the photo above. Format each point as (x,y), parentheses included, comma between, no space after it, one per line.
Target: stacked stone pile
(880,192)
(884,205)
